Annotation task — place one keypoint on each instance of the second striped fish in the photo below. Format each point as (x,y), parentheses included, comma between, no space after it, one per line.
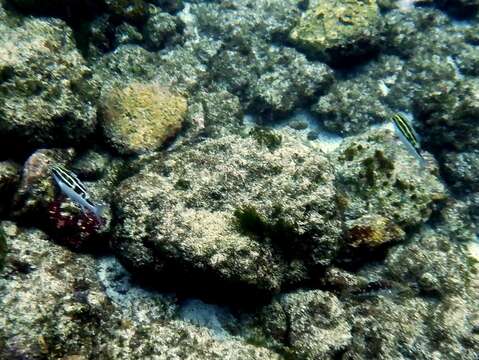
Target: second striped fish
(408,136)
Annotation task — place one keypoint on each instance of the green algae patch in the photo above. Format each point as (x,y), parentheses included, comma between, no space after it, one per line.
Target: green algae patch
(334,27)
(250,221)
(140,117)
(266,137)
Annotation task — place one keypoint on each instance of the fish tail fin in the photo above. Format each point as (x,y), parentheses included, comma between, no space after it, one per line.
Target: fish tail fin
(100,209)
(422,160)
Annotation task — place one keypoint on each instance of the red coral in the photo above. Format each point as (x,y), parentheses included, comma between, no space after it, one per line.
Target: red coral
(73,226)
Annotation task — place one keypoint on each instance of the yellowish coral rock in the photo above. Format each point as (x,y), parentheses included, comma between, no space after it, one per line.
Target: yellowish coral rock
(140,117)
(372,231)
(345,26)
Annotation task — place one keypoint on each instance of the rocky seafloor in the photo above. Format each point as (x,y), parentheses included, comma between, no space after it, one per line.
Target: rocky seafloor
(258,202)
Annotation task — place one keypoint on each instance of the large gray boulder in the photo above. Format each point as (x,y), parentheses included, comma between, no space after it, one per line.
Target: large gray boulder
(256,210)
(45,95)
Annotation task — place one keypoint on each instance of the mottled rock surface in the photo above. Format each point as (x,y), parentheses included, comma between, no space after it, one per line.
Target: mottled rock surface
(313,322)
(228,210)
(369,256)
(393,329)
(66,305)
(354,104)
(261,209)
(214,113)
(332,29)
(45,95)
(138,118)
(432,263)
(377,176)
(287,86)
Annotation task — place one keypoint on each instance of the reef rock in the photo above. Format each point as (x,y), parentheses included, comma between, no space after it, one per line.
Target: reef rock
(409,327)
(313,322)
(377,176)
(140,117)
(431,262)
(158,28)
(254,210)
(45,93)
(36,190)
(354,104)
(62,305)
(265,210)
(290,83)
(332,29)
(214,113)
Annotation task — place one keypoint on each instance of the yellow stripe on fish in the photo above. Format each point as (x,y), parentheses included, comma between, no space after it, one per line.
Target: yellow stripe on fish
(408,136)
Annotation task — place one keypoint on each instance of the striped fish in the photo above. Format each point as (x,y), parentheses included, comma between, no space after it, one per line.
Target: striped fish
(408,136)
(72,187)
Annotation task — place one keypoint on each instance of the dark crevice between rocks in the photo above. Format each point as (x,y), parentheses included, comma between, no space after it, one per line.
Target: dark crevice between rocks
(12,148)
(187,283)
(351,62)
(352,259)
(364,52)
(72,11)
(458,10)
(83,16)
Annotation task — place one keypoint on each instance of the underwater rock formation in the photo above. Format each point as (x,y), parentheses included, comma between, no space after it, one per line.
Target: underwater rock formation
(159,27)
(425,56)
(461,169)
(313,324)
(457,221)
(45,93)
(100,26)
(226,210)
(309,246)
(337,29)
(138,118)
(36,190)
(432,263)
(376,175)
(66,305)
(394,328)
(214,113)
(127,64)
(286,87)
(352,105)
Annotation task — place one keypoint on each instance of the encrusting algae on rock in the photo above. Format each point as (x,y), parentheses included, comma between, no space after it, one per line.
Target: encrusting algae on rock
(140,117)
(299,244)
(335,27)
(372,231)
(43,85)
